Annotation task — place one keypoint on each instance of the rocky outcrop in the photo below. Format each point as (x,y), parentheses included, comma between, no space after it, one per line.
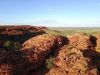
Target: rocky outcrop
(9,61)
(71,61)
(97,42)
(19,33)
(6,69)
(81,41)
(26,50)
(79,57)
(38,48)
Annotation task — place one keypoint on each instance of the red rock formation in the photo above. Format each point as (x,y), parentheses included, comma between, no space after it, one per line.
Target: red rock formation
(6,69)
(19,33)
(71,61)
(81,41)
(37,48)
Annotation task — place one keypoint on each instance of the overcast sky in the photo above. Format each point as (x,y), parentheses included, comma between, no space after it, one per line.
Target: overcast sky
(66,13)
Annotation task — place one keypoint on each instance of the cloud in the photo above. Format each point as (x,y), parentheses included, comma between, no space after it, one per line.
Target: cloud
(44,22)
(60,23)
(67,23)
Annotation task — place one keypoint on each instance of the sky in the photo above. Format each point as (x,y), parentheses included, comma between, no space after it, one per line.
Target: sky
(51,13)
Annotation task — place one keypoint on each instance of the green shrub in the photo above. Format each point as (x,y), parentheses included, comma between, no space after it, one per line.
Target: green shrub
(49,63)
(7,44)
(12,45)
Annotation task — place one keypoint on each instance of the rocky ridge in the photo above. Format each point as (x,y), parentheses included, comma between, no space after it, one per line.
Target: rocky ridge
(27,50)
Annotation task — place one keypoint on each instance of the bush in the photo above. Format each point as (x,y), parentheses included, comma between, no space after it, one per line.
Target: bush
(49,63)
(12,45)
(7,44)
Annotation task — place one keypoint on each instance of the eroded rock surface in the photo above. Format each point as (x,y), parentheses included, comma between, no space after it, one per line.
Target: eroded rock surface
(81,41)
(37,48)
(6,69)
(45,54)
(19,33)
(71,61)
(97,42)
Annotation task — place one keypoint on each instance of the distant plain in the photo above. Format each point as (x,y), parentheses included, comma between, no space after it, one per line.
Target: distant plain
(72,30)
